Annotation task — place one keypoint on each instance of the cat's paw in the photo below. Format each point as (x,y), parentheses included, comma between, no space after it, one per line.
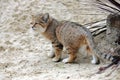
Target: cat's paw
(95,62)
(66,60)
(51,55)
(56,59)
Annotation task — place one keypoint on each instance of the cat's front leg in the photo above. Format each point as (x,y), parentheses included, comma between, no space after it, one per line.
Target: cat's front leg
(57,48)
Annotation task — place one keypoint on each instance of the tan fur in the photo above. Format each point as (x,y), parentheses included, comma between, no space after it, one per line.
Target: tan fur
(64,33)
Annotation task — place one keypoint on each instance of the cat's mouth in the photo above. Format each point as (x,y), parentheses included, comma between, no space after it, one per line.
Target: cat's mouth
(33,28)
(40,29)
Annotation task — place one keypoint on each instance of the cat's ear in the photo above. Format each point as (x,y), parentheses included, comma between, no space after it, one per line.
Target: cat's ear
(32,16)
(45,17)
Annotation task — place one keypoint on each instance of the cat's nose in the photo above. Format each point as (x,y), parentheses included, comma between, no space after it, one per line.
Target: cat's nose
(32,27)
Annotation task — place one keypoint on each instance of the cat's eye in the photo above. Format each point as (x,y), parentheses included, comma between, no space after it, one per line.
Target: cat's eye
(41,22)
(31,23)
(36,23)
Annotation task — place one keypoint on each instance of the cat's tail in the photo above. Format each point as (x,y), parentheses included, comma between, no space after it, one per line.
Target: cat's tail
(107,56)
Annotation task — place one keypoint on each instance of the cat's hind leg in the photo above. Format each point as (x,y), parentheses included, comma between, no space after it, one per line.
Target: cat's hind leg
(72,56)
(95,59)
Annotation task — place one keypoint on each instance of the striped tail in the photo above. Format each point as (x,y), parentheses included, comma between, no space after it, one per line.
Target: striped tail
(114,57)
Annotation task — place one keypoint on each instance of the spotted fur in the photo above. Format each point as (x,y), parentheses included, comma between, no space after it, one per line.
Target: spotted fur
(70,35)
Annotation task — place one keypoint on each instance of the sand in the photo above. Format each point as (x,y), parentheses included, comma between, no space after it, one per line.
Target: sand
(23,52)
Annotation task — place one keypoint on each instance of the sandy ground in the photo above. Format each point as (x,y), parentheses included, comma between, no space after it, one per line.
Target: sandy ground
(23,52)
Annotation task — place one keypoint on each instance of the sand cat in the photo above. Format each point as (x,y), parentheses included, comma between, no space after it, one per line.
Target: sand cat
(73,36)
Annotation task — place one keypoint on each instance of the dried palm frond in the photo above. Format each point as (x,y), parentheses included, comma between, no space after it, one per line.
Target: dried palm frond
(112,6)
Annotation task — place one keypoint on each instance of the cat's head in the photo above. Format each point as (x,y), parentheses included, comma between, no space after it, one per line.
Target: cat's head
(40,22)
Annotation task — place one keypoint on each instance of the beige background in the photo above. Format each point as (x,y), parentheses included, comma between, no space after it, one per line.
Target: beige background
(23,52)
